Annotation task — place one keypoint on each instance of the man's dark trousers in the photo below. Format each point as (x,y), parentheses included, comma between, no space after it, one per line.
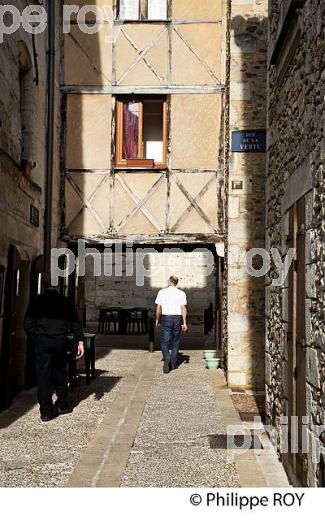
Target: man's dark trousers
(51,365)
(170,338)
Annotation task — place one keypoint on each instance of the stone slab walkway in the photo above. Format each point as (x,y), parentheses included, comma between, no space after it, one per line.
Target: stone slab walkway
(172,448)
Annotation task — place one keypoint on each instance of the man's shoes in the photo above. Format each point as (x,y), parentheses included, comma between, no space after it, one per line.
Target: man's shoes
(166,368)
(63,409)
(47,418)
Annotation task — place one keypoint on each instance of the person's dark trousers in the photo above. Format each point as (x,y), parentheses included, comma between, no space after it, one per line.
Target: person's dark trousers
(51,365)
(170,338)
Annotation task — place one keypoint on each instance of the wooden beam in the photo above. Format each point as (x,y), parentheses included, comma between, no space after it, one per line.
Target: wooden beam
(165,132)
(166,238)
(190,207)
(193,203)
(142,55)
(140,203)
(94,65)
(119,132)
(63,159)
(140,130)
(118,22)
(143,90)
(145,59)
(143,9)
(85,171)
(166,22)
(196,54)
(87,202)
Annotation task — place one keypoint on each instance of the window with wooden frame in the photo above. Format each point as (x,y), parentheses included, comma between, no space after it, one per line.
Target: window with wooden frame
(143,10)
(141,133)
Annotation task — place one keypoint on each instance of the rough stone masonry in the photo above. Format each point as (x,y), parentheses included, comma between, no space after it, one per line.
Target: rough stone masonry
(296,170)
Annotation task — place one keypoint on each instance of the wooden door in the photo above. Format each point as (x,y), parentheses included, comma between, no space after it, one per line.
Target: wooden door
(8,382)
(301,469)
(297,344)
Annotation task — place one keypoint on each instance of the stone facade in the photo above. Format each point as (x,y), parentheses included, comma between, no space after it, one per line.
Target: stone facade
(23,99)
(245,211)
(128,288)
(19,190)
(296,172)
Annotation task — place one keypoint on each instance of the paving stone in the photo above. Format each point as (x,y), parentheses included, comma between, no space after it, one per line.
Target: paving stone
(172,447)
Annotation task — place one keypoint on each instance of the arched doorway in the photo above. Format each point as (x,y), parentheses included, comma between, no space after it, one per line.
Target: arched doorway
(35,288)
(13,350)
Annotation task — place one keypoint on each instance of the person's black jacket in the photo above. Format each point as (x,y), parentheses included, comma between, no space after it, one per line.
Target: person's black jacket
(52,314)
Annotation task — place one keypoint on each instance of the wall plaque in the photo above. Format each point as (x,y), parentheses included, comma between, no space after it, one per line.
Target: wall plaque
(237,185)
(248,141)
(34,216)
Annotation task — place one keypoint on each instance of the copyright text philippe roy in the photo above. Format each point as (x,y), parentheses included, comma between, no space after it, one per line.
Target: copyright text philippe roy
(248,502)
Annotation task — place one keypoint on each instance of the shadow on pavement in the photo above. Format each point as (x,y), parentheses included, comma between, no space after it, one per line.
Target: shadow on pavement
(98,387)
(183,359)
(23,403)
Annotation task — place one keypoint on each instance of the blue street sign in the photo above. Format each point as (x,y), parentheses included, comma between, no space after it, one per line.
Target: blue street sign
(248,141)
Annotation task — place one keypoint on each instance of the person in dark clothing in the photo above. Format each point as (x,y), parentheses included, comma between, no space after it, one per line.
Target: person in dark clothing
(49,319)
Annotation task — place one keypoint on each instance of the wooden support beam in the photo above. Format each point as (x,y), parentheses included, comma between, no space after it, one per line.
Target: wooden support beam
(191,207)
(142,55)
(155,22)
(145,59)
(143,9)
(196,54)
(140,204)
(159,239)
(93,65)
(143,90)
(194,203)
(87,201)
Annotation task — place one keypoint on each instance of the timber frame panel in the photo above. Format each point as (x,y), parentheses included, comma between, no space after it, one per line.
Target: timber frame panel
(166,204)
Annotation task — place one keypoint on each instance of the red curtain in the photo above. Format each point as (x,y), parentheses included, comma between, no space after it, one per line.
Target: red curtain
(130,130)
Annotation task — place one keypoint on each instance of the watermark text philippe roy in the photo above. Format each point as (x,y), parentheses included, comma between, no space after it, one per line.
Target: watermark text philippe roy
(129,261)
(34,19)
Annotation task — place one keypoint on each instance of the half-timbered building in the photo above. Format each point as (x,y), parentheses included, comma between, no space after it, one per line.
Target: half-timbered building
(145,100)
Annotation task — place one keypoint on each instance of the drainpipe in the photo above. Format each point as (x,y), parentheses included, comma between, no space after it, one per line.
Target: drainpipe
(49,134)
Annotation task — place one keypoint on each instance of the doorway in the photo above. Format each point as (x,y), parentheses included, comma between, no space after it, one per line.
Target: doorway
(13,351)
(137,273)
(297,344)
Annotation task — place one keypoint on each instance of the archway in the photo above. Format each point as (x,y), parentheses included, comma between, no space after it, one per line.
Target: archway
(13,351)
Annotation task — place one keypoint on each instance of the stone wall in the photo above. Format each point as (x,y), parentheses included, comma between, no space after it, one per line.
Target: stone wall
(127,287)
(245,212)
(295,170)
(20,189)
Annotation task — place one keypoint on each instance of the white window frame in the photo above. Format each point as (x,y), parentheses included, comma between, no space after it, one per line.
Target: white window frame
(142,10)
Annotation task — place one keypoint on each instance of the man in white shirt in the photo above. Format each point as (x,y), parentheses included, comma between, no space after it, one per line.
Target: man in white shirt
(171,312)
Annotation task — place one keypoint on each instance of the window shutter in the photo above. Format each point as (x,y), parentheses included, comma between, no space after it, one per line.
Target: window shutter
(157,9)
(129,9)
